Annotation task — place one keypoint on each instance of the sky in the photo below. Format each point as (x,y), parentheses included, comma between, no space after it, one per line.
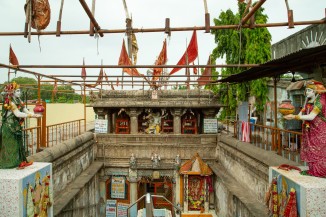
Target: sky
(71,49)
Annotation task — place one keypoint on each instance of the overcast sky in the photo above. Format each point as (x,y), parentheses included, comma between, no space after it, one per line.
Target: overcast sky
(70,49)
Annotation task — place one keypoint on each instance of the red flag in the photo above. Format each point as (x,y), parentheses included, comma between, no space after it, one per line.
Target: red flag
(203,79)
(190,54)
(125,60)
(83,72)
(55,88)
(12,57)
(161,60)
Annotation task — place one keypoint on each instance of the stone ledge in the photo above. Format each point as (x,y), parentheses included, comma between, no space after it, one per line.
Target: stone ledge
(71,190)
(255,207)
(269,158)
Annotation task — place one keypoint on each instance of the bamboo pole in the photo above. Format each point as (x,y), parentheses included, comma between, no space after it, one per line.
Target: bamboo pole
(59,20)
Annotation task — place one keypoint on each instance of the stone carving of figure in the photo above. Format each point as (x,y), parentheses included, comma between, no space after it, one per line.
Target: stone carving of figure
(313,115)
(177,162)
(133,161)
(154,122)
(155,160)
(12,153)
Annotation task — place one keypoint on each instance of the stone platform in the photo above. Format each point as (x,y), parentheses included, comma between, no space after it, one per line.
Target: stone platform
(26,192)
(310,191)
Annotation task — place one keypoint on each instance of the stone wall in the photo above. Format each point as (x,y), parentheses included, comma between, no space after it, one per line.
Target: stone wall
(242,177)
(118,148)
(310,36)
(70,160)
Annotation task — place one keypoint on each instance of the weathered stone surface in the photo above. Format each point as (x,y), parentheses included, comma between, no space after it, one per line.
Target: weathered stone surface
(166,98)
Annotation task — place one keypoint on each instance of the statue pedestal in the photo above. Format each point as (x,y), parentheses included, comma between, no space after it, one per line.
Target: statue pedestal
(310,191)
(27,191)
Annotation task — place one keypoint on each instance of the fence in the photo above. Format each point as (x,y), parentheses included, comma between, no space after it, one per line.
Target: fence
(285,142)
(55,134)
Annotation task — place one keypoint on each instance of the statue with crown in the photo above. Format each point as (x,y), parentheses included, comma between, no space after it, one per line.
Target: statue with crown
(20,178)
(313,115)
(12,153)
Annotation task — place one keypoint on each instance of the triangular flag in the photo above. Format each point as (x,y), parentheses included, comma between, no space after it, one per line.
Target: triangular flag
(190,55)
(12,57)
(83,71)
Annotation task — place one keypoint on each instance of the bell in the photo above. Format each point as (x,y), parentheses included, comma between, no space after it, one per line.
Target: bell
(38,109)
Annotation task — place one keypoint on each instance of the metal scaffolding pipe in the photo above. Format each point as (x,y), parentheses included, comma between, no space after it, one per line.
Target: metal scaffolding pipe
(143,66)
(142,30)
(252,11)
(91,17)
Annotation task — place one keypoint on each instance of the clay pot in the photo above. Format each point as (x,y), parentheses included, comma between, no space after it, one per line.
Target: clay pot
(286,107)
(38,109)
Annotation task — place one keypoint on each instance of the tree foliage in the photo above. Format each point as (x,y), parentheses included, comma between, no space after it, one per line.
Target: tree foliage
(28,87)
(242,46)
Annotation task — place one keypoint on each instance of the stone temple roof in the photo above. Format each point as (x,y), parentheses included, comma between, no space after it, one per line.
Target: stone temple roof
(165,98)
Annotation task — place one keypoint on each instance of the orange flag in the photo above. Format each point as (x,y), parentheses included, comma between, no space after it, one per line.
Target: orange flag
(206,77)
(190,55)
(161,60)
(83,72)
(12,57)
(125,60)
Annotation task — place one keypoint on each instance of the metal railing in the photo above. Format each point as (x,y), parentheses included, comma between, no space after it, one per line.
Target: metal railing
(286,143)
(31,139)
(57,133)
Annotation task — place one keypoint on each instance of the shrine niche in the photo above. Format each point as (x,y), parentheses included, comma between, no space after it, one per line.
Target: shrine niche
(122,124)
(197,182)
(189,123)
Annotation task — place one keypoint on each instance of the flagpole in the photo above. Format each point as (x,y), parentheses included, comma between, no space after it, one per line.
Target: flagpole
(84,106)
(9,64)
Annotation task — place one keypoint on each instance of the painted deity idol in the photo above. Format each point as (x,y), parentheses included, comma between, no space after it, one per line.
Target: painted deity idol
(313,115)
(12,153)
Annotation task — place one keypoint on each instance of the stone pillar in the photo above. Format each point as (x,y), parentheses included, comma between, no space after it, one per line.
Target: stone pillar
(177,112)
(133,114)
(206,197)
(186,191)
(133,191)
(101,113)
(210,113)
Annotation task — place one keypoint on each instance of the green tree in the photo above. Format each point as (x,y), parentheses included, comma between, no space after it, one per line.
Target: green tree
(27,86)
(243,46)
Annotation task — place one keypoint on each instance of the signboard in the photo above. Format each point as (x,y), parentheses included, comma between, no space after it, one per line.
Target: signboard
(122,210)
(101,126)
(118,187)
(210,125)
(111,208)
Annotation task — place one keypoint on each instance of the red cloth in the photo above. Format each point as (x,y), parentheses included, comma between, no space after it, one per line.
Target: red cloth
(313,150)
(125,60)
(12,57)
(190,55)
(203,79)
(161,60)
(291,207)
(245,132)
